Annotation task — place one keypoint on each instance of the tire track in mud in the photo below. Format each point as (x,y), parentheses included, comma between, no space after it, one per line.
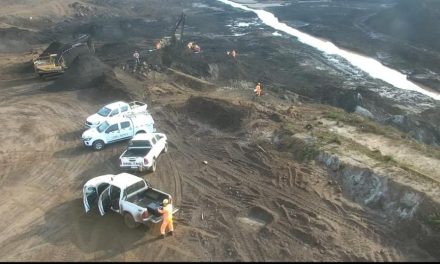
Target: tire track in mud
(302,201)
(52,159)
(212,197)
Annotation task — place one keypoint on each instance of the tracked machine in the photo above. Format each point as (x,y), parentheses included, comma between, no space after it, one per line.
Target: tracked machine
(52,61)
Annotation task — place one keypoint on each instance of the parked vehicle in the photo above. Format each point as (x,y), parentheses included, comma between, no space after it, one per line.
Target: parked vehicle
(113,110)
(143,151)
(125,194)
(117,129)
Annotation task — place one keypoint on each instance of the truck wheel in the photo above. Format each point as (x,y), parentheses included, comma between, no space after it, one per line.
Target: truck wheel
(98,145)
(129,221)
(153,166)
(140,132)
(165,149)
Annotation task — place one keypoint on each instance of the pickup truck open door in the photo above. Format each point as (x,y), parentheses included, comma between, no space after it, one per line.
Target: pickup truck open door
(90,196)
(104,201)
(92,191)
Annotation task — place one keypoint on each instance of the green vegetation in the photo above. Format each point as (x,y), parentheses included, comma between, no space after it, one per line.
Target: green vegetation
(362,124)
(308,152)
(428,150)
(326,138)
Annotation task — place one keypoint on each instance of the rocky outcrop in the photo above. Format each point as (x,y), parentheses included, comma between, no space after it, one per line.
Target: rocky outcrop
(409,209)
(424,127)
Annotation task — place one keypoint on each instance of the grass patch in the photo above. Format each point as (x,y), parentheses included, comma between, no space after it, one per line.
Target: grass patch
(428,150)
(362,124)
(326,138)
(308,152)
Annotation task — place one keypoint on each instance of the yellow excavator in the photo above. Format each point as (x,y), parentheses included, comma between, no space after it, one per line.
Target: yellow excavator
(51,62)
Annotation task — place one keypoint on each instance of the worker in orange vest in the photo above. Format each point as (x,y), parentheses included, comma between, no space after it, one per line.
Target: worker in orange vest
(258,89)
(167,214)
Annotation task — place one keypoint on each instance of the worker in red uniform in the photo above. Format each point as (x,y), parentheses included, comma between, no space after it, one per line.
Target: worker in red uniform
(167,214)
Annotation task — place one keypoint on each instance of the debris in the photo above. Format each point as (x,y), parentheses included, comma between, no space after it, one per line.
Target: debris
(339,189)
(202,216)
(262,149)
(205,162)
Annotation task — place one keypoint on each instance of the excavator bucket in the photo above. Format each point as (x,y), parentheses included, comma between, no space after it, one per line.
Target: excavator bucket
(52,62)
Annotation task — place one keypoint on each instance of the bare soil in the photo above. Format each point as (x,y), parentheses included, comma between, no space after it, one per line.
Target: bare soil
(252,201)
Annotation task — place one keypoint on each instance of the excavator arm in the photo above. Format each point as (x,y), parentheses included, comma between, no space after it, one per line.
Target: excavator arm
(53,63)
(82,40)
(180,21)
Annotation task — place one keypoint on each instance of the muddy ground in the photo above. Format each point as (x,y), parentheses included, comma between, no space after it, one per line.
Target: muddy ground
(254,200)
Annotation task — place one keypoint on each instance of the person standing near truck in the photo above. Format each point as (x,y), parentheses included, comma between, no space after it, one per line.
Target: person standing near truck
(167,214)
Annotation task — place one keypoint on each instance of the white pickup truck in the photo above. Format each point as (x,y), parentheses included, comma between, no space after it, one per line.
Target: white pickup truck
(115,109)
(126,194)
(117,129)
(143,151)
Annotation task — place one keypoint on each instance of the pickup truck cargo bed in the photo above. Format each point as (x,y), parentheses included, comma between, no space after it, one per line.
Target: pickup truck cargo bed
(149,199)
(136,152)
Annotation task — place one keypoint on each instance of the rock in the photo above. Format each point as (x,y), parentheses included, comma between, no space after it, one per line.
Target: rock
(424,127)
(363,112)
(330,161)
(205,162)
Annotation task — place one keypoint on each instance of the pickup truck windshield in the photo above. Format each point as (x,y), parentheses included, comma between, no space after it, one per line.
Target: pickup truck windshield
(104,111)
(139,144)
(102,127)
(134,188)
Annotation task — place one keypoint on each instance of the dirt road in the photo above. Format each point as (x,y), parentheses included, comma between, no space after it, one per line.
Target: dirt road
(247,203)
(250,202)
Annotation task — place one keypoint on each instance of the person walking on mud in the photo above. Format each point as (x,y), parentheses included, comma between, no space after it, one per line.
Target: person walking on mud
(258,90)
(167,214)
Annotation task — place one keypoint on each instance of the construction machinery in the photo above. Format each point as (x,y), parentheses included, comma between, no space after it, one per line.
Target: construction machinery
(171,41)
(52,61)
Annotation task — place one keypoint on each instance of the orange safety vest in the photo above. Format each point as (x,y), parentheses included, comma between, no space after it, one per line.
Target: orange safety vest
(167,212)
